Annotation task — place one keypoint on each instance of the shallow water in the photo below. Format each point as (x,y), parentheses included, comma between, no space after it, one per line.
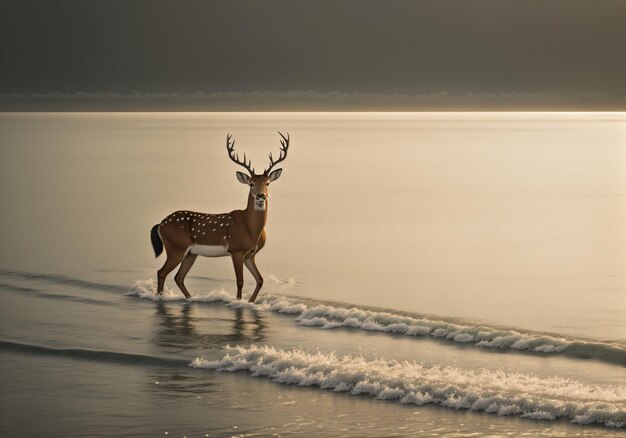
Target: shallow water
(468,243)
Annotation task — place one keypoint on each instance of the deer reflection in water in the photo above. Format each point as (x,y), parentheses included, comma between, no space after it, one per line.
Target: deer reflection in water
(178,329)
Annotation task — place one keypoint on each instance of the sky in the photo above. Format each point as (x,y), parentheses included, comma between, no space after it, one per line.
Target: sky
(359,51)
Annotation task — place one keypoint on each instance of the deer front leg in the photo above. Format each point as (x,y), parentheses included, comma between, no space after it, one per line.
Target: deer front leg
(238,265)
(251,265)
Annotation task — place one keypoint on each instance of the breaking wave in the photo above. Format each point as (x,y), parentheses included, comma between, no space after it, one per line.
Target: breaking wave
(329,316)
(494,392)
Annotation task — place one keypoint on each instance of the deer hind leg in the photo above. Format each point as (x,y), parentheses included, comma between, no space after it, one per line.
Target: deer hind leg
(173,259)
(185,266)
(251,265)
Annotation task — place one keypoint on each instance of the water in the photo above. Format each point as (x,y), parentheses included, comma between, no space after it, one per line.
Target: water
(433,273)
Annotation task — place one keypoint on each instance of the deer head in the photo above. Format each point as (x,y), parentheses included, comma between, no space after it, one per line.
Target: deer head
(259,184)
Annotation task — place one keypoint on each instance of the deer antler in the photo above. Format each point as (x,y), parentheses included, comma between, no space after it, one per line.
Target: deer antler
(284,145)
(230,147)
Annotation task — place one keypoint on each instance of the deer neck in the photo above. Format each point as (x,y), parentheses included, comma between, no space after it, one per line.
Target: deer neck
(255,218)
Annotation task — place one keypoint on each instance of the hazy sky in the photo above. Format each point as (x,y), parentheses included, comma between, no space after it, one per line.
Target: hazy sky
(365,46)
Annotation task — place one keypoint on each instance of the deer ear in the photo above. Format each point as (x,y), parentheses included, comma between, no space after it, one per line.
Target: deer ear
(243,178)
(275,174)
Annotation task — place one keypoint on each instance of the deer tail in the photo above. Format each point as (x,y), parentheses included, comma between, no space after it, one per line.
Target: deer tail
(157,243)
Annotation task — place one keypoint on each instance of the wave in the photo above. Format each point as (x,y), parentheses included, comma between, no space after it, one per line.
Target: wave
(330,316)
(61,297)
(407,382)
(61,279)
(95,355)
(493,392)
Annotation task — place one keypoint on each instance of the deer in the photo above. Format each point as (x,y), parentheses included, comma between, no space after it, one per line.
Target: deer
(239,234)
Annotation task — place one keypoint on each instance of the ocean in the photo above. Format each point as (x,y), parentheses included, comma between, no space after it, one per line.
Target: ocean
(426,274)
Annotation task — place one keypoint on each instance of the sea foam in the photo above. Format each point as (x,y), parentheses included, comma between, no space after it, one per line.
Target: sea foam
(330,316)
(494,392)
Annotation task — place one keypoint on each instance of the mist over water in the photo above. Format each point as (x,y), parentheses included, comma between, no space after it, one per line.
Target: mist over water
(485,241)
